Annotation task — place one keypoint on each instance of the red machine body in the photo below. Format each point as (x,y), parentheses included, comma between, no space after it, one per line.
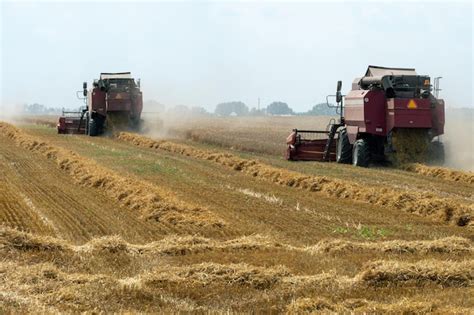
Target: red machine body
(379,104)
(371,112)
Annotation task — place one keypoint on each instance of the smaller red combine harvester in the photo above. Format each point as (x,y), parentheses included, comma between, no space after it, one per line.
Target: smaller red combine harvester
(115,101)
(383,106)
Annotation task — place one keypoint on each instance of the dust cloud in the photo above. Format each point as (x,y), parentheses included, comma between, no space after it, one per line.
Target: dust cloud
(161,121)
(10,112)
(458,138)
(158,125)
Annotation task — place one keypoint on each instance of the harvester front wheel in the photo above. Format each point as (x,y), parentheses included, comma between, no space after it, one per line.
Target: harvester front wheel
(93,127)
(86,122)
(361,153)
(344,148)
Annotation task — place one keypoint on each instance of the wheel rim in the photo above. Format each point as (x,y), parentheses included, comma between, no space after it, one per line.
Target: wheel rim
(355,155)
(338,150)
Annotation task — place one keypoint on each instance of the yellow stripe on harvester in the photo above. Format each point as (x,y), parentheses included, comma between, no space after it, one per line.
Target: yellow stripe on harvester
(412,104)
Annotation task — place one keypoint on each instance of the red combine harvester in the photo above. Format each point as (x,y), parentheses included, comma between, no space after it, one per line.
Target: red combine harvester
(384,104)
(115,101)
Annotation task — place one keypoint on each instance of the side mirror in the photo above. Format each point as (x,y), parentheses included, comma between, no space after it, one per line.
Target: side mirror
(84,88)
(338,93)
(138,83)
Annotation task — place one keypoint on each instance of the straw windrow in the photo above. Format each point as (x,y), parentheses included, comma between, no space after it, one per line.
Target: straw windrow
(363,306)
(175,245)
(423,204)
(41,271)
(441,172)
(446,273)
(151,201)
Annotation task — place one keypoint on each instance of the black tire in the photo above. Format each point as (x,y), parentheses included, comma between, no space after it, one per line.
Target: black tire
(137,125)
(343,148)
(361,153)
(93,127)
(86,121)
(436,153)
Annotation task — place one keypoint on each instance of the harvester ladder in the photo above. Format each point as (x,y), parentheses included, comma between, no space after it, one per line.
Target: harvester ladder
(331,135)
(81,120)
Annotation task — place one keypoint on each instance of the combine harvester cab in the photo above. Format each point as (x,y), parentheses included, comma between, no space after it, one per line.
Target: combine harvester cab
(115,102)
(389,113)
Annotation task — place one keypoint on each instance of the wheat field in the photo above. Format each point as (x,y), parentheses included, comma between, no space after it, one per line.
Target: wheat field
(205,215)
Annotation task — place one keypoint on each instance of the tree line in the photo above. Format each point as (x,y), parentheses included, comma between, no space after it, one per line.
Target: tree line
(225,109)
(40,109)
(238,108)
(273,109)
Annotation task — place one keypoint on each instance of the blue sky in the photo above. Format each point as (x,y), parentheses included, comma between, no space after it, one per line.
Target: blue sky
(203,53)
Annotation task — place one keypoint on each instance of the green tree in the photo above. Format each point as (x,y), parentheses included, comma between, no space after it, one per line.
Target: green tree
(322,109)
(279,108)
(231,108)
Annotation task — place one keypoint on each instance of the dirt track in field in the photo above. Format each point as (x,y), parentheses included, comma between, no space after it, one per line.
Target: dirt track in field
(275,247)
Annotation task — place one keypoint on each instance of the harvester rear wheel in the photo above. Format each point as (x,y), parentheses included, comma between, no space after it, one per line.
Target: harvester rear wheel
(137,125)
(344,148)
(361,153)
(436,153)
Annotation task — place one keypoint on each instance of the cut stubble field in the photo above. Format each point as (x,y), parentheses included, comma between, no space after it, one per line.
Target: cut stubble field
(209,223)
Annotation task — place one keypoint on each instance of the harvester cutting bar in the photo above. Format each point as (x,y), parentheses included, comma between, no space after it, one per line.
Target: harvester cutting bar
(72,113)
(72,122)
(311,145)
